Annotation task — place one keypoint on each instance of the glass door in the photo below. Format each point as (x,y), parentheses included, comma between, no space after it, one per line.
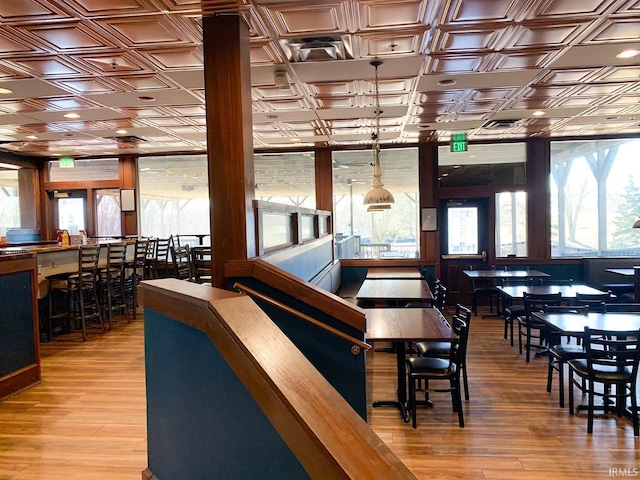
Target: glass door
(108,221)
(464,243)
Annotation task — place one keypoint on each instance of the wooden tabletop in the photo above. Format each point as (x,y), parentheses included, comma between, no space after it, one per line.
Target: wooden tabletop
(505,274)
(383,273)
(573,324)
(407,324)
(395,290)
(567,291)
(629,272)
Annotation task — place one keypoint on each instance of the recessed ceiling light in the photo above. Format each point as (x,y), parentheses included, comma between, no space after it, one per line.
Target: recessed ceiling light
(628,53)
(445,174)
(121,131)
(5,91)
(31,137)
(146,98)
(538,113)
(447,82)
(71,115)
(456,166)
(294,139)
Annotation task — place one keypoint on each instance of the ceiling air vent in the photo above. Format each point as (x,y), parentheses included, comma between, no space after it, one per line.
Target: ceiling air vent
(127,139)
(314,49)
(498,124)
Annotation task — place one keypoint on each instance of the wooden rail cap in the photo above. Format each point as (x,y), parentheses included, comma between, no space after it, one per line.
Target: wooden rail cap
(327,436)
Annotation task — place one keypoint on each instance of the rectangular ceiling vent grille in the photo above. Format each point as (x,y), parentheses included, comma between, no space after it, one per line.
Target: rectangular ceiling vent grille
(318,49)
(500,124)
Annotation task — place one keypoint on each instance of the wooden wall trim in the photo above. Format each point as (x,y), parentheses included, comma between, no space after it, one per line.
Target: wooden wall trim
(326,435)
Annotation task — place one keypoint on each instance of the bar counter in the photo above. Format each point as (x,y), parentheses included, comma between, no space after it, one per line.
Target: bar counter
(19,333)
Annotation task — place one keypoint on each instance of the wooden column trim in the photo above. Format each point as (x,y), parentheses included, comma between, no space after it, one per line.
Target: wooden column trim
(428,185)
(227,71)
(539,229)
(324,180)
(128,167)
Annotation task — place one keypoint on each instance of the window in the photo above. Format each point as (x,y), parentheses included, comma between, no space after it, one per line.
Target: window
(108,223)
(84,169)
(511,224)
(595,193)
(286,178)
(9,199)
(385,234)
(174,195)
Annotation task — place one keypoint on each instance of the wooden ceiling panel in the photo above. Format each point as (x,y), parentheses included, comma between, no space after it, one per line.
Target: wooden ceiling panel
(300,20)
(394,15)
(447,66)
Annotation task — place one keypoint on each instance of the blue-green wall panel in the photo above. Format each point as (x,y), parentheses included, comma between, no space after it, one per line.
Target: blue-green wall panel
(202,423)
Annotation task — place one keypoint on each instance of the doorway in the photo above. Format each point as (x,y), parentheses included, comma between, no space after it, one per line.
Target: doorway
(70,208)
(465,241)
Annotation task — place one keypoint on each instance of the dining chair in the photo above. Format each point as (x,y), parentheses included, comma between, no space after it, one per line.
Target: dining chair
(159,259)
(422,370)
(620,307)
(201,264)
(442,349)
(484,288)
(612,359)
(593,300)
(561,353)
(182,265)
(530,328)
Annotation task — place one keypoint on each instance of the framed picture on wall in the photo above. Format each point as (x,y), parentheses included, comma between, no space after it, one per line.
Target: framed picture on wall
(128,200)
(429,219)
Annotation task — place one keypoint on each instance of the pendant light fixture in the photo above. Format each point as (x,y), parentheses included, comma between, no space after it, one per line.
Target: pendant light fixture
(378,198)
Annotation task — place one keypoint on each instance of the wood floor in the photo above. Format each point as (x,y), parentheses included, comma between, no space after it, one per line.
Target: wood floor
(86,420)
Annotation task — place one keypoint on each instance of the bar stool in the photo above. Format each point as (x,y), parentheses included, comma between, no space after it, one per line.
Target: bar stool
(138,267)
(83,290)
(112,281)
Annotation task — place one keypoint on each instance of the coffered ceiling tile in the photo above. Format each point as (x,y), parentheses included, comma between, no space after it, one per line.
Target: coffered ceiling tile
(11,45)
(114,63)
(374,15)
(9,106)
(69,37)
(349,70)
(45,66)
(292,116)
(454,64)
(602,89)
(322,18)
(94,8)
(65,103)
(620,74)
(30,11)
(149,31)
(459,126)
(535,35)
(381,45)
(85,116)
(190,79)
(335,88)
(568,76)
(579,102)
(617,30)
(595,55)
(480,11)
(467,40)
(131,99)
(337,102)
(141,83)
(87,86)
(518,60)
(477,81)
(31,88)
(264,53)
(176,59)
(571,8)
(286,105)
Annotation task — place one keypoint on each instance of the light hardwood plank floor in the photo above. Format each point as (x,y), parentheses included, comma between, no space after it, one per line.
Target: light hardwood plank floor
(86,420)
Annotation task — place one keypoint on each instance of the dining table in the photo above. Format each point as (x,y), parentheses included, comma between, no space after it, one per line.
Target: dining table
(573,324)
(630,272)
(385,273)
(393,292)
(516,292)
(399,326)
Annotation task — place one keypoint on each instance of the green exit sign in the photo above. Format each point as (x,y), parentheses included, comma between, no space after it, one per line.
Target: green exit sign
(459,142)
(66,162)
